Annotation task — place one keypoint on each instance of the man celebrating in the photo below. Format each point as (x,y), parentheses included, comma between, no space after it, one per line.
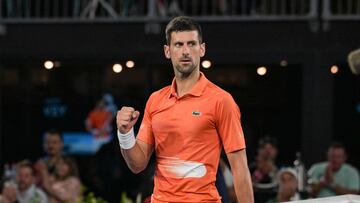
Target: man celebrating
(186,124)
(334,177)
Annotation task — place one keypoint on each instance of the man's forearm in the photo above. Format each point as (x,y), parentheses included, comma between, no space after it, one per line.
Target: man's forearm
(135,158)
(242,180)
(343,191)
(243,187)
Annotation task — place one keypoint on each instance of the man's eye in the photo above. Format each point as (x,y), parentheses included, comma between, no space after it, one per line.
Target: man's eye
(177,45)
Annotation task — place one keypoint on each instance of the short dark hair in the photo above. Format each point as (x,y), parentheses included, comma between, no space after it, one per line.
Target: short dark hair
(337,145)
(182,23)
(54,132)
(267,140)
(25,164)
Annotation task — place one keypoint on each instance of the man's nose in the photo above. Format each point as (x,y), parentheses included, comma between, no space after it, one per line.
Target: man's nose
(185,50)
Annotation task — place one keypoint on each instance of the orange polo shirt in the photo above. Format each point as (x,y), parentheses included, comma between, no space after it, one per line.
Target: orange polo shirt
(187,133)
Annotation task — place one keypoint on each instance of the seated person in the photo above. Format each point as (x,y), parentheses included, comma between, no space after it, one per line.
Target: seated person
(264,174)
(268,148)
(64,185)
(287,191)
(333,177)
(24,190)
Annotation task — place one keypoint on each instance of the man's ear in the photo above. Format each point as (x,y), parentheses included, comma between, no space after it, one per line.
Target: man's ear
(167,51)
(202,49)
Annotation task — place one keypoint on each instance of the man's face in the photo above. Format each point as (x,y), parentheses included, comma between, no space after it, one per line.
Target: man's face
(53,144)
(264,165)
(25,177)
(336,157)
(185,51)
(268,151)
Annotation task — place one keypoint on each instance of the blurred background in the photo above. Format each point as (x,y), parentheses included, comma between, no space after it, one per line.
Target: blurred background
(283,61)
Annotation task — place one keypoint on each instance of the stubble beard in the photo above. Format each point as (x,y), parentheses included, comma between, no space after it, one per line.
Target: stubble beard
(185,70)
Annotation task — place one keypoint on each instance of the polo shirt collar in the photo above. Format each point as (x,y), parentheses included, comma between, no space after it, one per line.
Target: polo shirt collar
(197,90)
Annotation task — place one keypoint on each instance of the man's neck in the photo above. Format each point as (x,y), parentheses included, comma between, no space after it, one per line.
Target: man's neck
(184,83)
(54,158)
(24,190)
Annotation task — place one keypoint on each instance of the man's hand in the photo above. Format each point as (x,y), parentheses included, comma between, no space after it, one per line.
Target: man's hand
(9,193)
(285,193)
(329,174)
(126,119)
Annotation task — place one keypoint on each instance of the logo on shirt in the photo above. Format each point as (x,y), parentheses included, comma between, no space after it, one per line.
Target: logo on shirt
(196,113)
(177,168)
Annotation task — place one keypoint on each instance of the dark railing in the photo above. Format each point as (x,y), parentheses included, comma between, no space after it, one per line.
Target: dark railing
(341,10)
(70,9)
(155,10)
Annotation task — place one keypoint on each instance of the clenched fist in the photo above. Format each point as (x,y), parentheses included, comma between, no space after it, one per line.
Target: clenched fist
(126,119)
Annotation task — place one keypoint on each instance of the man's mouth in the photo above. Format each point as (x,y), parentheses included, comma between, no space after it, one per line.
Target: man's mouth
(185,61)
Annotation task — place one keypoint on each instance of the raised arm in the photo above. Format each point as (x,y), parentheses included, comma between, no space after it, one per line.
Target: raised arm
(135,152)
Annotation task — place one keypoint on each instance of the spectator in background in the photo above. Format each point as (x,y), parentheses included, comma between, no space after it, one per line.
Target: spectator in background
(64,185)
(334,177)
(110,104)
(287,190)
(24,190)
(98,122)
(264,174)
(268,148)
(27,191)
(8,193)
(53,147)
(264,170)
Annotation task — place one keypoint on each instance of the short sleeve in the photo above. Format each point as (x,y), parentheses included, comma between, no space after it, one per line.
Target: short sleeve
(316,172)
(229,125)
(354,180)
(145,133)
(313,175)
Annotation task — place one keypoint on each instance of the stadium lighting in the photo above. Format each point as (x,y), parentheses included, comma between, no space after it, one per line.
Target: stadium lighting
(117,68)
(261,70)
(49,65)
(130,64)
(206,64)
(334,69)
(283,63)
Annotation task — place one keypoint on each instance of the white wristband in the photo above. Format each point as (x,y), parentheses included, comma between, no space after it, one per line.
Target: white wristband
(127,141)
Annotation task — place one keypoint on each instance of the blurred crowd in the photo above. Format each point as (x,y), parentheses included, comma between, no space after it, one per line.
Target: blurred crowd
(277,182)
(105,177)
(55,177)
(52,178)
